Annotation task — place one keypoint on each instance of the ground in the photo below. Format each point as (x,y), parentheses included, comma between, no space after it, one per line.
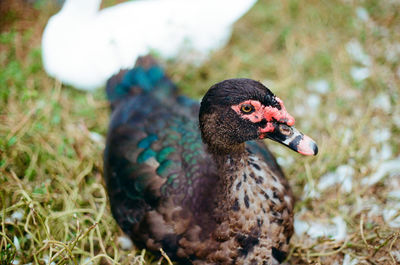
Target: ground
(336,64)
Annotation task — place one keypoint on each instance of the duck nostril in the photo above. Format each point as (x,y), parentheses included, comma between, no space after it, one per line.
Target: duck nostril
(285,130)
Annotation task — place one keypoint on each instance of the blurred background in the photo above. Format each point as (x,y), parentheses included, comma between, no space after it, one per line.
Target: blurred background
(335,63)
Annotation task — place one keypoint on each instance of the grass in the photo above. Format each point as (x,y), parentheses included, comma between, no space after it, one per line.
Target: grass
(53,205)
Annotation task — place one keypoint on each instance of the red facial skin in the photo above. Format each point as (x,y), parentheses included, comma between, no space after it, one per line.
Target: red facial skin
(305,146)
(265,112)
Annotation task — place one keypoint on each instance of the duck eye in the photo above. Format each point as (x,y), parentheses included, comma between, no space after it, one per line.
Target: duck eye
(247,108)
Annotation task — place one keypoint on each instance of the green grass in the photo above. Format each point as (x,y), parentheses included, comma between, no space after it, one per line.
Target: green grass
(51,169)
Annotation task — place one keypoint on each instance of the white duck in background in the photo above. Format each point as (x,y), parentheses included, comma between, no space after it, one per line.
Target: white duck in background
(83,46)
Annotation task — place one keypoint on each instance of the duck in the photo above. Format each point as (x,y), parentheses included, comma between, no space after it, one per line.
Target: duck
(83,46)
(197,180)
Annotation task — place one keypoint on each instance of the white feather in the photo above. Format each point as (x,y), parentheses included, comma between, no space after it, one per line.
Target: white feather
(83,46)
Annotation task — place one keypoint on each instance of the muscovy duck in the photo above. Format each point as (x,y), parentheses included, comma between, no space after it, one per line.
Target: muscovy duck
(83,46)
(208,194)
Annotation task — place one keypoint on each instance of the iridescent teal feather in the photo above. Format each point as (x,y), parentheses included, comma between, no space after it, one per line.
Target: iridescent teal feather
(144,155)
(146,142)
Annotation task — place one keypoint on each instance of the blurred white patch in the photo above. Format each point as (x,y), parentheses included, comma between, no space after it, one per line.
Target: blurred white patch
(17,215)
(395,194)
(96,137)
(346,136)
(310,191)
(384,154)
(386,151)
(349,261)
(300,226)
(382,31)
(285,161)
(313,101)
(382,101)
(362,14)
(87,261)
(357,53)
(359,73)
(343,175)
(396,255)
(369,204)
(358,112)
(374,210)
(16,243)
(391,212)
(396,118)
(332,116)
(391,167)
(398,72)
(392,52)
(381,135)
(347,185)
(15,262)
(299,57)
(46,260)
(41,104)
(299,110)
(336,229)
(125,242)
(107,38)
(392,217)
(340,229)
(321,86)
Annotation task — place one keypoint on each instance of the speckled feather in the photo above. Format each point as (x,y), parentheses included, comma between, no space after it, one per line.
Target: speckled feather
(167,191)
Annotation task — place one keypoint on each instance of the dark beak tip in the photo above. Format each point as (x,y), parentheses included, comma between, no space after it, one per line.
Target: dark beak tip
(315,149)
(307,147)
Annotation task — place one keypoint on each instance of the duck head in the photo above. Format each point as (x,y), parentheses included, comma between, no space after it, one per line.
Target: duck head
(238,110)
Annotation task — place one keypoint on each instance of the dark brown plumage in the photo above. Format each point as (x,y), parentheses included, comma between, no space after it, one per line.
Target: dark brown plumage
(222,202)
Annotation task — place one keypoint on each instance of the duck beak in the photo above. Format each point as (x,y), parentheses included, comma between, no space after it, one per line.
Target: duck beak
(292,138)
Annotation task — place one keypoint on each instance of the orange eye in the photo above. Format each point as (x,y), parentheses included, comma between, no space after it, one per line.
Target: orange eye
(247,108)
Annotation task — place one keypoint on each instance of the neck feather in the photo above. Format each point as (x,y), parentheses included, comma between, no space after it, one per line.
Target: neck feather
(230,166)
